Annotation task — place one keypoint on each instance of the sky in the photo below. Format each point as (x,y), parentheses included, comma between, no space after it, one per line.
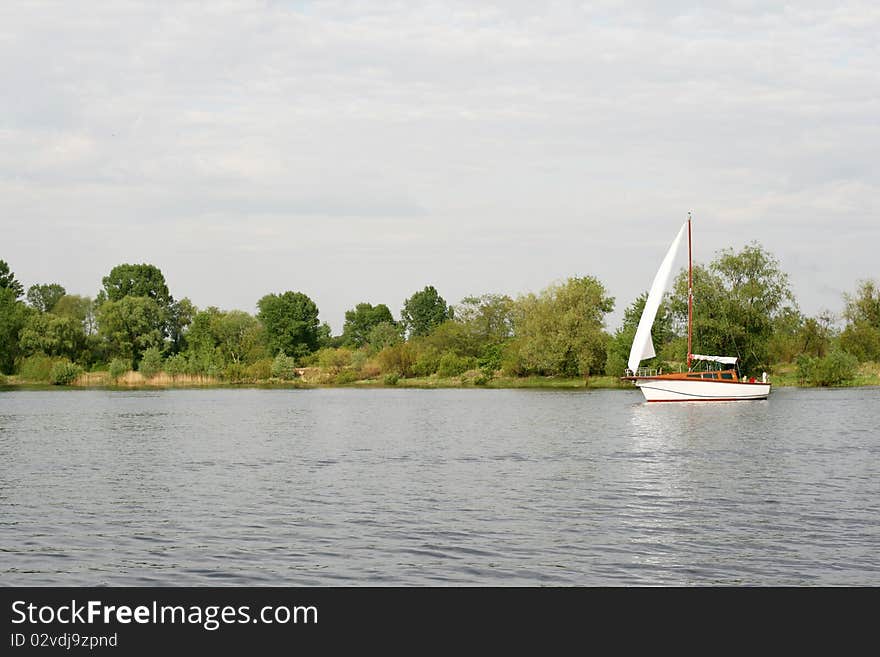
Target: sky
(359,151)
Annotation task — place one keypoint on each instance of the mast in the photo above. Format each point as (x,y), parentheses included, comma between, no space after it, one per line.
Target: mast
(690,295)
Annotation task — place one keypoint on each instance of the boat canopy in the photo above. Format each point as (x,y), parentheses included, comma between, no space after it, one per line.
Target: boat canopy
(727,360)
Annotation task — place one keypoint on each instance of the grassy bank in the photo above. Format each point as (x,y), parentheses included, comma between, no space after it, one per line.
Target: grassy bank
(784,375)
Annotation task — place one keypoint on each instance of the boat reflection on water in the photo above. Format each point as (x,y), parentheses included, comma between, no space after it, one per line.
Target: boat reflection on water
(688,465)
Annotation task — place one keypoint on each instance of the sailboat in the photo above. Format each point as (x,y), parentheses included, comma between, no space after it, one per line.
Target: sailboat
(719,378)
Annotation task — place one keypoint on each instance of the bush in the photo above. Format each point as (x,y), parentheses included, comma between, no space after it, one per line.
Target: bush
(260,370)
(2,380)
(452,365)
(397,359)
(482,379)
(176,365)
(806,367)
(151,363)
(347,376)
(283,367)
(235,372)
(391,379)
(206,362)
(334,359)
(492,358)
(834,369)
(359,359)
(427,362)
(64,373)
(370,370)
(37,368)
(118,367)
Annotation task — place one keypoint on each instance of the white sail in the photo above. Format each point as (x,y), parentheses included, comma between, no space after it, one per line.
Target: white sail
(643,344)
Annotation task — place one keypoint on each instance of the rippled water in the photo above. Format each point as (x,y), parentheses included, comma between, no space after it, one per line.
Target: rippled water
(449,487)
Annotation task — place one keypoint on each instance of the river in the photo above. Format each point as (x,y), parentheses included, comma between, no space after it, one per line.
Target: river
(437,487)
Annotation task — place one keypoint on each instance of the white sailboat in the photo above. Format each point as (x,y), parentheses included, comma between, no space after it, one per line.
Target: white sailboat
(722,384)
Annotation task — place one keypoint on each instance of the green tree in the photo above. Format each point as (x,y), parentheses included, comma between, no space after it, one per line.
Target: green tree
(861,336)
(864,305)
(44,297)
(361,320)
(424,311)
(79,308)
(816,334)
(52,335)
(662,333)
(131,325)
(488,318)
(325,337)
(561,331)
(142,280)
(240,337)
(151,362)
(291,322)
(9,282)
(13,316)
(386,334)
(737,300)
(180,316)
(203,342)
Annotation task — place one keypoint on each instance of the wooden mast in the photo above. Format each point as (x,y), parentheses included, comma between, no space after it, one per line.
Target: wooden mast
(690,295)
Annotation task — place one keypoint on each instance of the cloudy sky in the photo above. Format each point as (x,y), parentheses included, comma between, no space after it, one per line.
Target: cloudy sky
(360,151)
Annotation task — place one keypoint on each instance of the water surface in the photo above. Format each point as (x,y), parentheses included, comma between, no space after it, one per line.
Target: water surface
(437,487)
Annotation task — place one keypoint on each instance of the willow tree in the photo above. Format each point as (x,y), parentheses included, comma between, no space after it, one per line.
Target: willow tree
(561,330)
(861,337)
(738,299)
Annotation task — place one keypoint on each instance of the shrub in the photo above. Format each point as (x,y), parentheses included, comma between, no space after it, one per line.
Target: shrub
(391,379)
(492,358)
(806,367)
(260,370)
(207,362)
(334,359)
(64,373)
(2,380)
(359,359)
(452,365)
(151,363)
(118,367)
(37,368)
(427,362)
(834,369)
(283,367)
(397,359)
(482,379)
(347,376)
(175,365)
(236,372)
(370,370)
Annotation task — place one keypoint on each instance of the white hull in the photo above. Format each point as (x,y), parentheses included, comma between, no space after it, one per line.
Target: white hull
(656,390)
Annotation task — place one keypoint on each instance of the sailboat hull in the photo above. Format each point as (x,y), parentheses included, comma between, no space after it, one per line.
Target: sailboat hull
(661,389)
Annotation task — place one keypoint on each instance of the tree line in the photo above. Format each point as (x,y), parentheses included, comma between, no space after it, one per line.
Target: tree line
(743,306)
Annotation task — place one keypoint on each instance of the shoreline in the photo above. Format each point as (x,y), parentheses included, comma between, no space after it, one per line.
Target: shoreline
(92,382)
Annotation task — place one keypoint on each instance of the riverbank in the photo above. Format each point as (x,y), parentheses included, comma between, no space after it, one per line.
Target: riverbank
(784,375)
